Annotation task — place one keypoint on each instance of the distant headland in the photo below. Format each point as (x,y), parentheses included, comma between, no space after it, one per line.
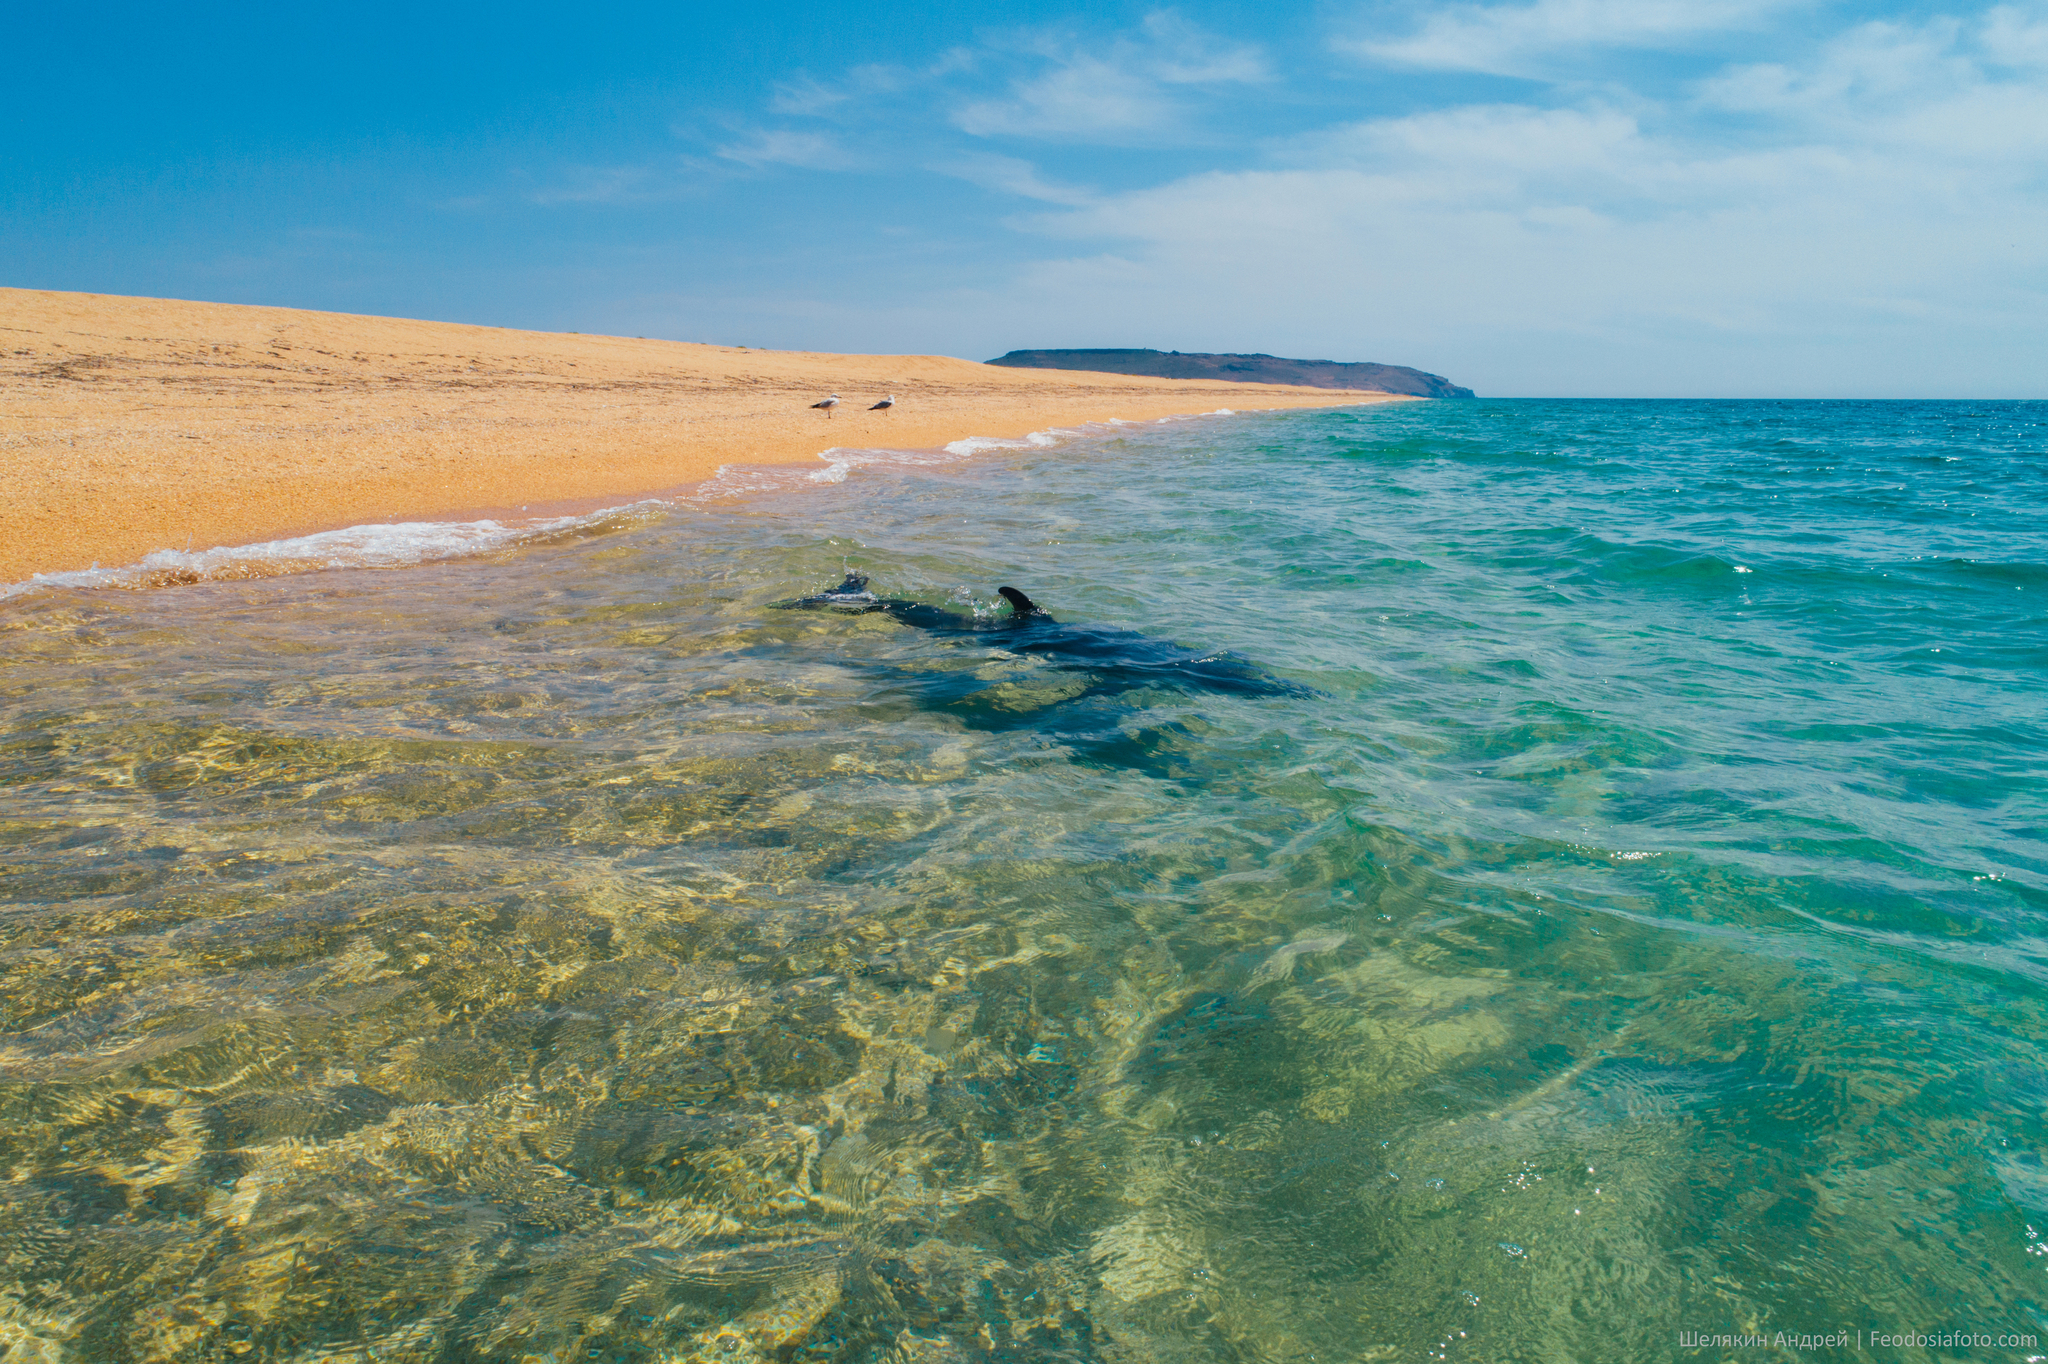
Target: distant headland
(1243,369)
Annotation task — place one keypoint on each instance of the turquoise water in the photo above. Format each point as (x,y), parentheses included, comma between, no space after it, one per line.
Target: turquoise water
(1629,924)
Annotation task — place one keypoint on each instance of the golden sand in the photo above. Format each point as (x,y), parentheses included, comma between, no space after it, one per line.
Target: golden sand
(134,424)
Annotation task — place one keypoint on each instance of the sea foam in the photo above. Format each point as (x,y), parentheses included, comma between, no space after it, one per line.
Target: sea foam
(401,544)
(410,543)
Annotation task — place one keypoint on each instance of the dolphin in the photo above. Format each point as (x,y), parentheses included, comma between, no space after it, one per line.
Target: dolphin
(1116,660)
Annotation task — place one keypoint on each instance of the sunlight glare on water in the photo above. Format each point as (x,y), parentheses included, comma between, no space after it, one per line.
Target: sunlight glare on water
(1626,920)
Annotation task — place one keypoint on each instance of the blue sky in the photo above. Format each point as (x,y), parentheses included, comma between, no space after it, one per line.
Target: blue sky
(1575,197)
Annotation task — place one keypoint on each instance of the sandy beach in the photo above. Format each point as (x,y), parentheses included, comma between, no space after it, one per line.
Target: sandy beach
(133,424)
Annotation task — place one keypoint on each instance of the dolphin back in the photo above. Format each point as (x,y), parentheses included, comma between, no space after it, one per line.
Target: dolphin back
(1118,660)
(850,597)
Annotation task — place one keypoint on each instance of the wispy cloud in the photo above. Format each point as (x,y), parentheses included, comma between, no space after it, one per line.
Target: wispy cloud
(605,185)
(2017,37)
(1524,40)
(789,147)
(807,96)
(1135,85)
(1859,206)
(1880,198)
(1009,175)
(1149,86)
(1146,86)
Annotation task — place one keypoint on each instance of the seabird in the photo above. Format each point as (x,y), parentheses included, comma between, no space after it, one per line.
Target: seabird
(885,404)
(828,404)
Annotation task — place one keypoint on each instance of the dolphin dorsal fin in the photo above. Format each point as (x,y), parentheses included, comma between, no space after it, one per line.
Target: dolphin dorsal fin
(1019,603)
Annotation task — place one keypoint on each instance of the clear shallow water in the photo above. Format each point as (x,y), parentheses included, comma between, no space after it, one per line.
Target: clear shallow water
(1637,928)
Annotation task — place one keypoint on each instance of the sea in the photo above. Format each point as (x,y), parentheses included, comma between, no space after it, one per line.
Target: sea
(1615,925)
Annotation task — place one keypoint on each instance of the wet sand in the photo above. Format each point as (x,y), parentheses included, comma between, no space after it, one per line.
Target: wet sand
(134,424)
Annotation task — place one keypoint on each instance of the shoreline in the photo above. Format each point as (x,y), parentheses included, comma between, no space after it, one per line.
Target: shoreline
(478,531)
(132,425)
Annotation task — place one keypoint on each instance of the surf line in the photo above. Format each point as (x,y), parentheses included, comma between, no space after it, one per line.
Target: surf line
(408,544)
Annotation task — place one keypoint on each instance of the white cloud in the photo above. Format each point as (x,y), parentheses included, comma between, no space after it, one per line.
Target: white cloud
(1876,222)
(1132,86)
(2016,36)
(1082,97)
(1043,83)
(789,147)
(807,96)
(1937,91)
(1501,146)
(1864,214)
(1008,175)
(1526,39)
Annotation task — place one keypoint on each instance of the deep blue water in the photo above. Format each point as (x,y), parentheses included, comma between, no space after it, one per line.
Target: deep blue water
(1622,917)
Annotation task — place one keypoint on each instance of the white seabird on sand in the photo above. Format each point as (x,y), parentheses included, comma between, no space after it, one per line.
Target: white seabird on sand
(885,404)
(828,404)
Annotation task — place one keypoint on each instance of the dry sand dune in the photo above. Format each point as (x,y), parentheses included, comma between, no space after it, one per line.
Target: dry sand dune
(133,424)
